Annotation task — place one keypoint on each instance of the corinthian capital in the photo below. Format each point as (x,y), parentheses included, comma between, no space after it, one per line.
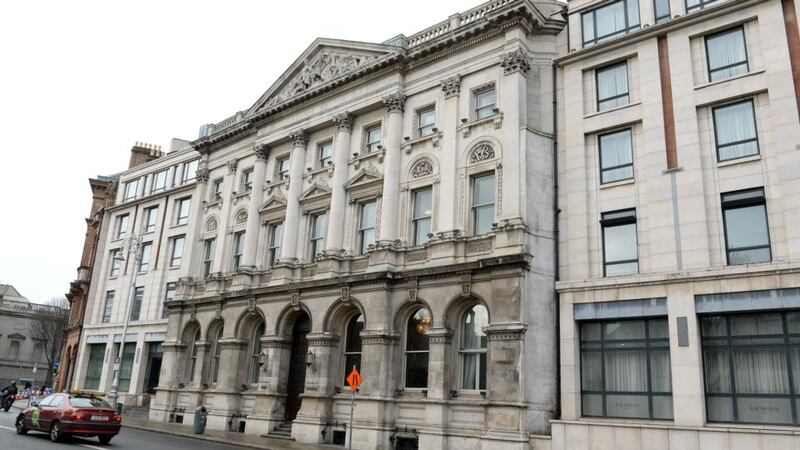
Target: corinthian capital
(344,121)
(232,164)
(261,151)
(202,174)
(515,61)
(299,137)
(395,101)
(451,85)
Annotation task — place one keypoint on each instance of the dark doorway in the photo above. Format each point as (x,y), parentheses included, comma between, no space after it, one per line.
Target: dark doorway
(153,371)
(297,365)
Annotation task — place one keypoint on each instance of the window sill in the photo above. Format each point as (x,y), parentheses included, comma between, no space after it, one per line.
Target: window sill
(616,108)
(272,185)
(742,160)
(618,183)
(358,160)
(466,126)
(714,83)
(177,225)
(409,143)
(310,172)
(208,205)
(174,267)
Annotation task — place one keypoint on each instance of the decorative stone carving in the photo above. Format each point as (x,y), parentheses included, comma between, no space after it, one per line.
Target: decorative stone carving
(251,304)
(422,168)
(299,138)
(412,289)
(515,61)
(241,216)
(295,300)
(451,85)
(344,122)
(482,152)
(483,245)
(212,225)
(262,152)
(232,165)
(345,290)
(322,68)
(395,102)
(202,175)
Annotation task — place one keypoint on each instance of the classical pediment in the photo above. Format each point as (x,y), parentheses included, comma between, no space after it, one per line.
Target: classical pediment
(315,191)
(273,202)
(367,175)
(323,63)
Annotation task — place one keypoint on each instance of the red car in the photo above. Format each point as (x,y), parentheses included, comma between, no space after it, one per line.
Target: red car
(64,414)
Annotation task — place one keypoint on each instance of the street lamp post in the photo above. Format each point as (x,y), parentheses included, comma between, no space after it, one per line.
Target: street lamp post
(131,243)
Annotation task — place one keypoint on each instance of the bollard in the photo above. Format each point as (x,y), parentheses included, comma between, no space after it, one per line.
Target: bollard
(200,415)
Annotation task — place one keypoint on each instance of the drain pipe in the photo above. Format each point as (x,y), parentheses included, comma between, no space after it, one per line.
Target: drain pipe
(556,212)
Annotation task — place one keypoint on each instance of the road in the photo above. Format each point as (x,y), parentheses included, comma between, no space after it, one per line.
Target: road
(126,439)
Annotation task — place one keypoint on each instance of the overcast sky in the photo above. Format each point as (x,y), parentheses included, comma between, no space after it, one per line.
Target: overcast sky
(80,81)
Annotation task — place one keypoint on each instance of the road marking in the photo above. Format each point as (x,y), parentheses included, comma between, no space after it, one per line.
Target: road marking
(8,428)
(82,445)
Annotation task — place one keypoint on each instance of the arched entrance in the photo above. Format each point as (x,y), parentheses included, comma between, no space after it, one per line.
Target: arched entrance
(296,382)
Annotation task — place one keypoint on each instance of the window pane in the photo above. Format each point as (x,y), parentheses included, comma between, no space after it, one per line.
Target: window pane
(590,331)
(662,407)
(612,86)
(591,371)
(588,27)
(486,98)
(483,190)
(354,329)
(368,215)
(732,125)
(661,376)
(319,225)
(417,370)
(592,404)
(746,227)
(472,325)
(727,56)
(662,9)
(658,329)
(760,371)
(760,324)
(616,150)
(613,270)
(627,406)
(422,227)
(610,19)
(626,371)
(484,218)
(764,410)
(720,409)
(620,242)
(469,370)
(624,329)
(417,327)
(422,202)
(714,326)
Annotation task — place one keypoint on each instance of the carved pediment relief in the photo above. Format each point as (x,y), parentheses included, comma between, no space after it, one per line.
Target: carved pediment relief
(315,191)
(273,202)
(367,175)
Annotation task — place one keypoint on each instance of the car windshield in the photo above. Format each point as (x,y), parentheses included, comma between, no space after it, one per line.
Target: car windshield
(88,402)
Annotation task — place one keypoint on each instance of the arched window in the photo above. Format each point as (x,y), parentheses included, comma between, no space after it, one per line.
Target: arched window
(13,350)
(473,348)
(255,353)
(417,349)
(352,345)
(215,352)
(193,357)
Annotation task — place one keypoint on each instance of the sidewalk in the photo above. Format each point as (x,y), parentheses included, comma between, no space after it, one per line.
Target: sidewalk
(224,437)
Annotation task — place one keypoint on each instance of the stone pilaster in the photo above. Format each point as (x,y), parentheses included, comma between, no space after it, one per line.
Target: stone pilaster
(391,168)
(289,246)
(337,213)
(503,365)
(514,107)
(232,368)
(448,121)
(439,362)
(256,198)
(199,364)
(228,183)
(378,347)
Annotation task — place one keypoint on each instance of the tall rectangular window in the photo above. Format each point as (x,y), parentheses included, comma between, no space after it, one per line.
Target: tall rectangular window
(620,252)
(421,218)
(366,226)
(247,180)
(131,189)
(625,369)
(122,226)
(208,256)
(317,238)
(216,190)
(238,249)
(612,86)
(150,217)
(126,368)
(275,236)
(751,364)
(726,53)
(136,307)
(169,295)
(325,154)
(159,181)
(482,203)
(115,263)
(374,135)
(695,5)
(176,257)
(735,130)
(610,21)
(282,168)
(661,8)
(744,214)
(183,206)
(485,103)
(426,121)
(108,307)
(144,262)
(189,171)
(94,370)
(616,156)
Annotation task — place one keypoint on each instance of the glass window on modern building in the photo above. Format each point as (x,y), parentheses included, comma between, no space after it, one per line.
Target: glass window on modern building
(661,9)
(317,234)
(417,349)
(108,307)
(751,364)
(189,171)
(131,189)
(94,369)
(352,346)
(421,218)
(115,262)
(126,368)
(183,206)
(366,226)
(744,214)
(483,188)
(610,21)
(159,181)
(176,257)
(144,261)
(616,156)
(612,86)
(136,307)
(150,218)
(696,5)
(122,226)
(620,252)
(726,54)
(238,249)
(275,236)
(625,369)
(473,348)
(208,256)
(426,121)
(169,295)
(735,130)
(374,134)
(485,103)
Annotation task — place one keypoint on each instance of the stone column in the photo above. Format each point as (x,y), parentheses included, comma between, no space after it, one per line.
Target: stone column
(256,198)
(391,168)
(448,161)
(230,363)
(320,380)
(504,377)
(378,348)
(336,216)
(292,221)
(276,350)
(227,189)
(515,120)
(439,341)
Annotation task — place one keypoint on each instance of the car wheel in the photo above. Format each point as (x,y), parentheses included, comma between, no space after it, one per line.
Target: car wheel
(56,435)
(20,425)
(104,439)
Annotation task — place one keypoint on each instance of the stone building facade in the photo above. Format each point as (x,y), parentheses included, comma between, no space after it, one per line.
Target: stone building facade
(386,207)
(679,197)
(154,201)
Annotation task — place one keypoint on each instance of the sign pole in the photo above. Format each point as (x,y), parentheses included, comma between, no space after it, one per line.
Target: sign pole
(352,406)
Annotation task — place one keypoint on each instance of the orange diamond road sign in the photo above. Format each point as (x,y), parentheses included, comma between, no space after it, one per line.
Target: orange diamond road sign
(354,379)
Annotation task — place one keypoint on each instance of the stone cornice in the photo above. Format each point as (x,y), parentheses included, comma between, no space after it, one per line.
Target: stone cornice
(322,340)
(505,331)
(379,337)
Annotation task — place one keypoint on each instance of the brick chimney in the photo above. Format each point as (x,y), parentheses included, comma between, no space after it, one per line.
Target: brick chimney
(142,152)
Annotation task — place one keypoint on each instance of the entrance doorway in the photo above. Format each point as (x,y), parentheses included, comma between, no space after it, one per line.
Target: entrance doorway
(153,371)
(297,365)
